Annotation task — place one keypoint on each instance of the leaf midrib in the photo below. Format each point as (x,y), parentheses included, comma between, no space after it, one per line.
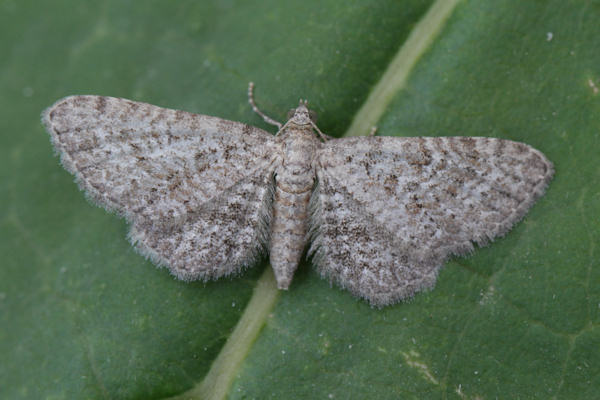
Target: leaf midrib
(225,367)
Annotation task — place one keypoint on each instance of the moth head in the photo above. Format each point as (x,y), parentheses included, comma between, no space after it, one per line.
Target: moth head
(302,115)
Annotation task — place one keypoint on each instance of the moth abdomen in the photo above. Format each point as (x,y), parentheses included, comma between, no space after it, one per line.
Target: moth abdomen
(288,233)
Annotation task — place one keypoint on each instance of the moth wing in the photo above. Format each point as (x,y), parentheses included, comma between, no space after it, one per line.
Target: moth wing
(220,238)
(162,169)
(388,212)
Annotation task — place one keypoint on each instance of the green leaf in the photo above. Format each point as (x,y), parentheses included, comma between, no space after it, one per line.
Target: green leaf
(82,315)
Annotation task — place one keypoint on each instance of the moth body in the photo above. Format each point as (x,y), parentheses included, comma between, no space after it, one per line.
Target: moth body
(207,197)
(294,181)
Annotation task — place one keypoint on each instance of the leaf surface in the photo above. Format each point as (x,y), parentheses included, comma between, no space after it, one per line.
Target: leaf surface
(84,316)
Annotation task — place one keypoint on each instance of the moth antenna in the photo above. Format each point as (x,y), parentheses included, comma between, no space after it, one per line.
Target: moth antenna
(266,118)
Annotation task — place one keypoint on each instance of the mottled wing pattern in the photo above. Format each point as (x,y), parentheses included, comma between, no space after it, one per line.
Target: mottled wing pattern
(388,212)
(220,238)
(162,168)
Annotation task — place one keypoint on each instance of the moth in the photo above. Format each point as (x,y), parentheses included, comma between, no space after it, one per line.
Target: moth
(207,197)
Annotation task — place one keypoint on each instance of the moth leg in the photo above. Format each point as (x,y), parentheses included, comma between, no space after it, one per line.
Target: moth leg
(267,119)
(373,131)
